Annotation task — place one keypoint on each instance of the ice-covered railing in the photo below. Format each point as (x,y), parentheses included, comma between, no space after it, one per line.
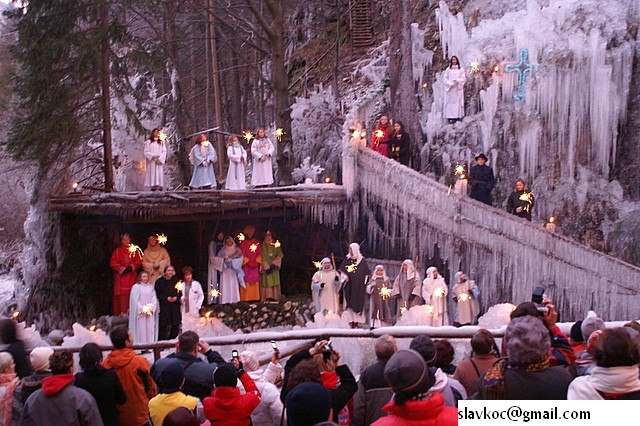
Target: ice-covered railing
(507,256)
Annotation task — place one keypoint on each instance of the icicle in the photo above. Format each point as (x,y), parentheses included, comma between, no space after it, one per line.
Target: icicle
(453,34)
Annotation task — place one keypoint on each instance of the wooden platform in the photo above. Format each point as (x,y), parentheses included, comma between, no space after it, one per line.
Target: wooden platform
(185,205)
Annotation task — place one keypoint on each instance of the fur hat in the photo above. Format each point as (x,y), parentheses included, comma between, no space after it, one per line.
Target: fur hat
(590,324)
(307,404)
(408,374)
(249,361)
(39,358)
(225,375)
(425,347)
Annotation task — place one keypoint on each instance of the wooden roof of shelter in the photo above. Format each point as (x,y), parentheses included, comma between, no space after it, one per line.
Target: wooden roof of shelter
(188,205)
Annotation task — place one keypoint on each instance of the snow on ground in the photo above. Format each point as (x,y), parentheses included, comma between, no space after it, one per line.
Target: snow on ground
(7,286)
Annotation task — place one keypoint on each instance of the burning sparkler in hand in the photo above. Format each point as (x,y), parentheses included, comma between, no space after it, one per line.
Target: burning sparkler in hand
(253,248)
(215,293)
(147,309)
(385,293)
(133,248)
(247,135)
(279,133)
(162,239)
(351,268)
(179,286)
(240,237)
(317,264)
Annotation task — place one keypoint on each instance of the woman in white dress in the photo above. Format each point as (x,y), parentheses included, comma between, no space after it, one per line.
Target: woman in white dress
(454,79)
(237,159)
(434,293)
(155,153)
(230,264)
(325,286)
(262,150)
(143,311)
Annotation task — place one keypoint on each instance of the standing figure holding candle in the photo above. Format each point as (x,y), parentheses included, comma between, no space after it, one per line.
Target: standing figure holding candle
(192,300)
(169,295)
(434,293)
(454,79)
(143,311)
(325,286)
(229,262)
(252,254)
(237,160)
(379,289)
(464,294)
(481,180)
(262,150)
(381,136)
(521,201)
(202,156)
(406,288)
(155,153)
(270,268)
(125,262)
(155,258)
(400,144)
(354,273)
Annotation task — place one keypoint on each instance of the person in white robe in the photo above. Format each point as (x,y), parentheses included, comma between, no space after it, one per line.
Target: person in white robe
(143,311)
(192,299)
(262,150)
(325,286)
(379,289)
(406,288)
(213,274)
(202,157)
(155,153)
(237,159)
(454,79)
(229,262)
(464,294)
(434,293)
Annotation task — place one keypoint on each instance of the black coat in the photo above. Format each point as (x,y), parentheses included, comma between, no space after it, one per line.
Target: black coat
(514,201)
(169,311)
(354,290)
(481,182)
(400,148)
(9,343)
(106,388)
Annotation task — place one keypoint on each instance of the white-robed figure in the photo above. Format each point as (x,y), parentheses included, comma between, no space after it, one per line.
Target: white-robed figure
(213,274)
(464,294)
(454,79)
(406,287)
(229,262)
(155,153)
(325,286)
(262,150)
(379,289)
(202,156)
(192,299)
(237,159)
(434,293)
(143,311)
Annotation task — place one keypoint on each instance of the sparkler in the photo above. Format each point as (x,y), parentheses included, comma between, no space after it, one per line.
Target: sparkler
(356,134)
(475,66)
(352,268)
(253,248)
(379,134)
(240,237)
(279,133)
(147,309)
(214,293)
(162,239)
(385,293)
(439,292)
(527,197)
(162,136)
(277,244)
(463,297)
(15,314)
(317,264)
(133,249)
(247,135)
(179,286)
(460,171)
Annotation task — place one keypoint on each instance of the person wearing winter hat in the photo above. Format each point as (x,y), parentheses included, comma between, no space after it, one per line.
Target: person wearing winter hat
(60,402)
(226,406)
(481,180)
(452,391)
(590,324)
(269,411)
(308,404)
(39,358)
(8,384)
(170,397)
(410,378)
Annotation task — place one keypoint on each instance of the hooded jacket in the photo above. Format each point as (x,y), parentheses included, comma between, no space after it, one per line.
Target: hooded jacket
(133,372)
(227,407)
(59,402)
(428,412)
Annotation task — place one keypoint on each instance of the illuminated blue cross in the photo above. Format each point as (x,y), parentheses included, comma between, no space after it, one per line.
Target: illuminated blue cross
(523,68)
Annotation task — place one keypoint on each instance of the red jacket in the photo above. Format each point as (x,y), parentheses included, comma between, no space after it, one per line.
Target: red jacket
(226,406)
(429,412)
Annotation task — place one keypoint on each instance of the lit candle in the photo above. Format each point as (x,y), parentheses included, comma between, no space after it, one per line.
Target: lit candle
(551,225)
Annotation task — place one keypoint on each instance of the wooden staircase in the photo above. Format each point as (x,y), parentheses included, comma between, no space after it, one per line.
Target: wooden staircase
(360,23)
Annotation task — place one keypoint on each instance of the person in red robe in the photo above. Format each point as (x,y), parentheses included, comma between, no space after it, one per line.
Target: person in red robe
(381,136)
(252,254)
(125,265)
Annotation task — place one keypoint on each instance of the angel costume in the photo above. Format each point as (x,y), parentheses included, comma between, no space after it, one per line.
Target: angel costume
(454,79)
(229,262)
(143,313)
(434,293)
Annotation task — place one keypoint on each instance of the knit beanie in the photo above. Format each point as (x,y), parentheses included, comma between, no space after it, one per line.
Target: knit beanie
(425,347)
(39,358)
(590,324)
(307,404)
(249,361)
(408,374)
(225,375)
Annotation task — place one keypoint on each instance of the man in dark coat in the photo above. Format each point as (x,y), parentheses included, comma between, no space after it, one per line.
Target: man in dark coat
(168,293)
(521,201)
(481,180)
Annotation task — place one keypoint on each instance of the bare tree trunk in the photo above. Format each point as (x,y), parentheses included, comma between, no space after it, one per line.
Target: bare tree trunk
(216,88)
(106,96)
(403,91)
